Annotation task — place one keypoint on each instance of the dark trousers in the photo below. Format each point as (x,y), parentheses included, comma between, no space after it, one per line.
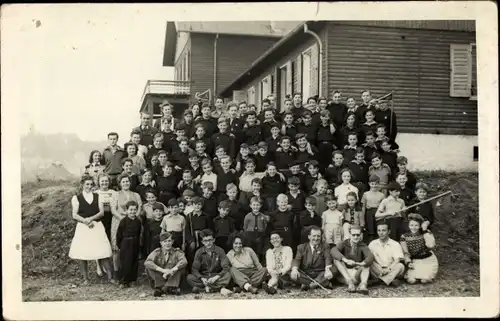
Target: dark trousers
(156,280)
(270,203)
(129,259)
(396,226)
(325,150)
(222,282)
(370,225)
(257,241)
(317,275)
(106,221)
(221,241)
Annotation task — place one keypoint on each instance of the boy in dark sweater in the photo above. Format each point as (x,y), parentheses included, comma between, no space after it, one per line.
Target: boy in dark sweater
(209,123)
(388,156)
(284,155)
(402,162)
(282,220)
(332,173)
(224,138)
(252,132)
(350,150)
(295,170)
(272,185)
(274,141)
(385,115)
(369,146)
(225,176)
(267,123)
(359,169)
(262,157)
(307,128)
(236,210)
(223,226)
(200,135)
(209,200)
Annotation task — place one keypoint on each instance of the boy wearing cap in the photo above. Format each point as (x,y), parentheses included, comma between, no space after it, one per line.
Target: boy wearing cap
(224,138)
(370,202)
(295,170)
(391,209)
(165,267)
(175,224)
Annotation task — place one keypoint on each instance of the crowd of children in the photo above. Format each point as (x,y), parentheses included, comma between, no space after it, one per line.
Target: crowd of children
(247,173)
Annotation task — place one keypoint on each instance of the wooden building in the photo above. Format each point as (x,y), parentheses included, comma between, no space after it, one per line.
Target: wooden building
(207,56)
(429,65)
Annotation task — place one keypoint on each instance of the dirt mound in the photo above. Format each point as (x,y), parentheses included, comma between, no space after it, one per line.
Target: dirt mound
(47,228)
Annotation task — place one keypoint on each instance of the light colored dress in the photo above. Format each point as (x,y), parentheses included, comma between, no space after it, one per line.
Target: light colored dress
(122,197)
(89,243)
(332,226)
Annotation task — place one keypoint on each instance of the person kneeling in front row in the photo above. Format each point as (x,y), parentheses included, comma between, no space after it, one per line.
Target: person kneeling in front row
(314,261)
(246,270)
(165,266)
(353,259)
(210,267)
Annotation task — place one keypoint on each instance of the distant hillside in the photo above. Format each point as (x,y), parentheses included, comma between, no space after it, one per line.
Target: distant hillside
(54,156)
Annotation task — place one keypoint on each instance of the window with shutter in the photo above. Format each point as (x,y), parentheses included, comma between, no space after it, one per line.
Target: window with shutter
(461,70)
(265,87)
(251,95)
(473,71)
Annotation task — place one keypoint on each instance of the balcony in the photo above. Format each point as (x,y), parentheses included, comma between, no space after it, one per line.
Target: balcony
(155,91)
(166,87)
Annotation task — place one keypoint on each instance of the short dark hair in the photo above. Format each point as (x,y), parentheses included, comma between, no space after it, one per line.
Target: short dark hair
(113,134)
(206,232)
(131,203)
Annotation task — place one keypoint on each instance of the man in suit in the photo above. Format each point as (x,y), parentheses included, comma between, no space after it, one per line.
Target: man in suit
(314,260)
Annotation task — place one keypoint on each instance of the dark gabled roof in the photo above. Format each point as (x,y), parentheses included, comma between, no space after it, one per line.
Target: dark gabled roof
(248,28)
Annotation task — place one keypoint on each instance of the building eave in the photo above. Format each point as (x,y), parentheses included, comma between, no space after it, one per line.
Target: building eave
(170,44)
(248,73)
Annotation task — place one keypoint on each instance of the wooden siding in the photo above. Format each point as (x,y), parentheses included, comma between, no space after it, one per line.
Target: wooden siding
(452,25)
(236,53)
(202,63)
(414,63)
(294,56)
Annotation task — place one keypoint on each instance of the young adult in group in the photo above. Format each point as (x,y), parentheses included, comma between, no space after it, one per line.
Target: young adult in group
(246,270)
(113,156)
(353,259)
(388,256)
(89,242)
(210,268)
(146,131)
(165,267)
(95,167)
(278,263)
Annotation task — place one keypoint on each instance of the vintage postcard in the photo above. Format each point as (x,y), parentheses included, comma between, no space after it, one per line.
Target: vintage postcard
(250,160)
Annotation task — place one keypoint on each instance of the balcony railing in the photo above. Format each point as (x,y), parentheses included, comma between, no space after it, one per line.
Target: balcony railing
(173,87)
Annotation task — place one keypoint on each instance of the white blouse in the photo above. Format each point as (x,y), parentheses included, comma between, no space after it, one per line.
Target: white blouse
(279,260)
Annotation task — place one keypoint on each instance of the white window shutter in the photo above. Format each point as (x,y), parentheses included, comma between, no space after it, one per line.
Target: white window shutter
(289,78)
(461,70)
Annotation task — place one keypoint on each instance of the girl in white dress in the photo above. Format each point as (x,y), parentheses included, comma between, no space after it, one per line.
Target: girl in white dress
(331,221)
(89,242)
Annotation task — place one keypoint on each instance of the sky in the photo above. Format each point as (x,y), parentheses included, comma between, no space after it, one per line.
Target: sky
(82,70)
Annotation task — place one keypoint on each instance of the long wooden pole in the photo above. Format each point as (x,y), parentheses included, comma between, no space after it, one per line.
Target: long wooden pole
(425,201)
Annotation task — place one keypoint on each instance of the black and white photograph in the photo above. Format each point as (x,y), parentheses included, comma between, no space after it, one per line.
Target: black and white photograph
(240,160)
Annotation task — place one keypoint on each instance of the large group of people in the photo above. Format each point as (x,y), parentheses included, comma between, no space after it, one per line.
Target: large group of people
(239,198)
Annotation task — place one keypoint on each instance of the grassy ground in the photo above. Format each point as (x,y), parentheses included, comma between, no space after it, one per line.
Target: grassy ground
(49,275)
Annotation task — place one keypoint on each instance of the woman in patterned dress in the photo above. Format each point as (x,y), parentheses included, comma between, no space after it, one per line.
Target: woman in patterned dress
(417,248)
(118,210)
(278,262)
